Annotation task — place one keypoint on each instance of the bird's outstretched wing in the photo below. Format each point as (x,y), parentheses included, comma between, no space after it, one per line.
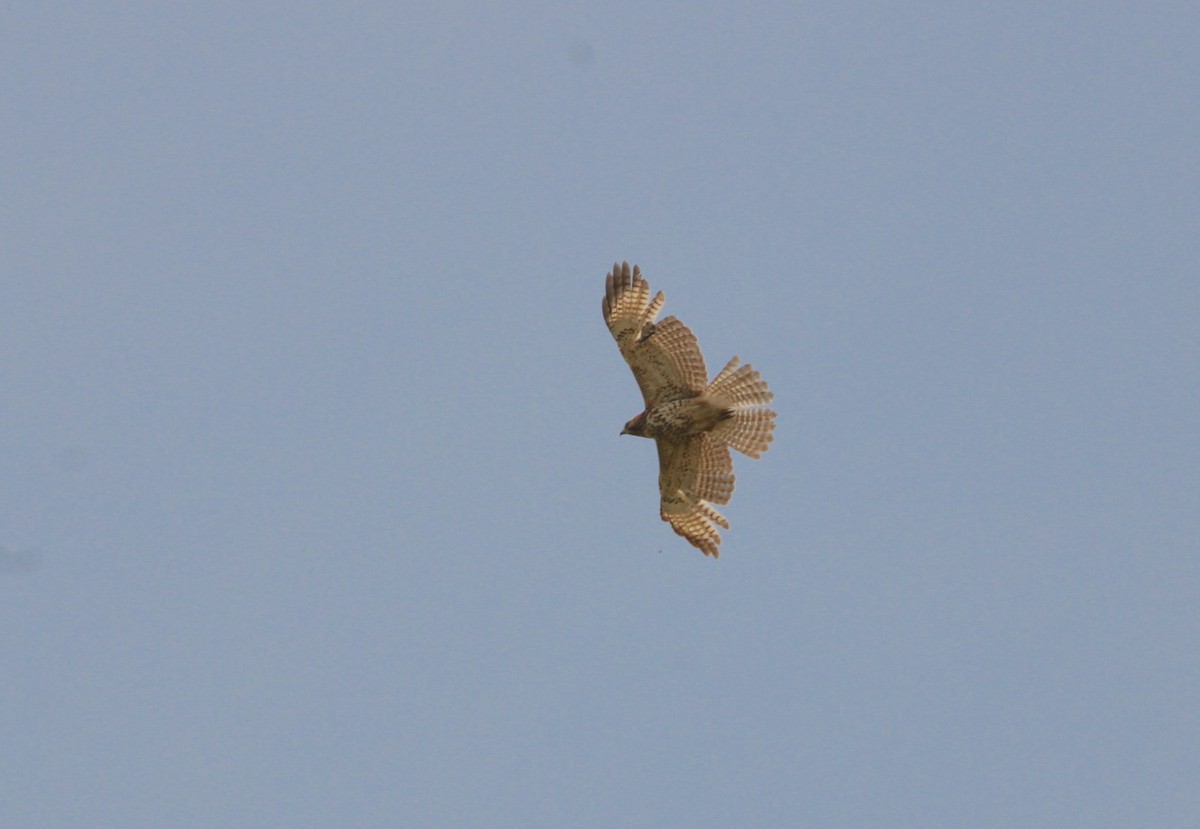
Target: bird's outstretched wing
(664,356)
(692,476)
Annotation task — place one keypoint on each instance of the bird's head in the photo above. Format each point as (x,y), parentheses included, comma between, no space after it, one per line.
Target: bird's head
(637,426)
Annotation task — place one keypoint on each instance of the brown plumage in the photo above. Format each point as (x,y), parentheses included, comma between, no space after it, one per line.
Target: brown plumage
(694,422)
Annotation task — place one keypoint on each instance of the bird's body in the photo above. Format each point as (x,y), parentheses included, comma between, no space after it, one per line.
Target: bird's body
(678,420)
(693,422)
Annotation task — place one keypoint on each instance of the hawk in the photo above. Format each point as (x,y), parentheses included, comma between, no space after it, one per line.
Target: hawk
(694,422)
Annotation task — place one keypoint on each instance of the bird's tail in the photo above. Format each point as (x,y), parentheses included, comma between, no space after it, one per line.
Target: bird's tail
(739,389)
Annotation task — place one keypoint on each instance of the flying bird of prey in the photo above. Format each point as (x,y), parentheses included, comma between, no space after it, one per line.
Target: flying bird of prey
(694,422)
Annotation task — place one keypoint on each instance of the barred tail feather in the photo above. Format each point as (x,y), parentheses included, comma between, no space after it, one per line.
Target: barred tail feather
(737,386)
(749,431)
(725,372)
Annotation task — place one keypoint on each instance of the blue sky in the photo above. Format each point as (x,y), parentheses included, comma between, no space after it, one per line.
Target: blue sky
(313,506)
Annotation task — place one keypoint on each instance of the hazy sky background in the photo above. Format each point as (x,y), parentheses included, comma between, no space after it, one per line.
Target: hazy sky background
(313,508)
